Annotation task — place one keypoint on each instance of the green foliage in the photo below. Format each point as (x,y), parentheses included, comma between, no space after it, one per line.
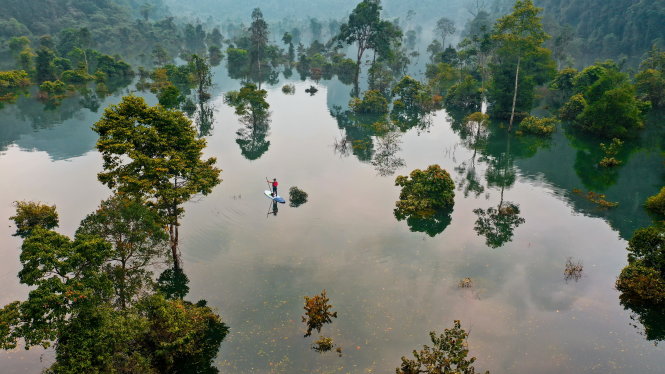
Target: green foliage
(648,247)
(650,86)
(156,336)
(441,77)
(238,61)
(289,89)
(373,102)
(215,55)
(448,355)
(610,150)
(202,76)
(650,81)
(173,284)
(573,108)
(13,79)
(605,103)
(564,80)
(414,96)
(366,29)
(155,153)
(169,97)
(519,36)
(138,241)
(424,192)
(114,67)
(616,113)
(465,94)
(75,77)
(249,103)
(297,197)
(344,68)
(538,126)
(656,203)
(317,312)
(30,215)
(640,284)
(536,68)
(44,65)
(182,337)
(64,278)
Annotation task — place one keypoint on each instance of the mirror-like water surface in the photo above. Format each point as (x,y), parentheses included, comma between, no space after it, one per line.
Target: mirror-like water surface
(389,285)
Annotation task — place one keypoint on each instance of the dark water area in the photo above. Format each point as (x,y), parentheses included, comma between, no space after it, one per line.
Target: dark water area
(390,281)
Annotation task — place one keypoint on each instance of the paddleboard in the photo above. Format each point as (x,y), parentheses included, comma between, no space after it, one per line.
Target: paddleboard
(277,198)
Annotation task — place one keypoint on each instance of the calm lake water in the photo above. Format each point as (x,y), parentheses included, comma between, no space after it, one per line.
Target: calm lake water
(389,285)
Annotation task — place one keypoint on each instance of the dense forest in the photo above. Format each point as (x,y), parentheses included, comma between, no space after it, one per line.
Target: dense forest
(511,77)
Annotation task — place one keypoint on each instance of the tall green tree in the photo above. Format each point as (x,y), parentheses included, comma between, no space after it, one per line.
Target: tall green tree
(361,28)
(258,31)
(154,153)
(138,241)
(202,77)
(445,27)
(249,103)
(520,32)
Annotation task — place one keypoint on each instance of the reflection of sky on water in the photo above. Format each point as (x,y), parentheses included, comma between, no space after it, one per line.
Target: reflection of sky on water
(389,286)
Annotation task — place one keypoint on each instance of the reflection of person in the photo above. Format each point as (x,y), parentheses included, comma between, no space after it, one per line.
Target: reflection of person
(273,184)
(274,208)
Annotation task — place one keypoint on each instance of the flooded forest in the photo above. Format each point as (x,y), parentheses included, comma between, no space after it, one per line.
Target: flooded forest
(332,186)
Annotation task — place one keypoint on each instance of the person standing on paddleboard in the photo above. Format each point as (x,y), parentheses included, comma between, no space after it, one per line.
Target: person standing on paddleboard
(274,185)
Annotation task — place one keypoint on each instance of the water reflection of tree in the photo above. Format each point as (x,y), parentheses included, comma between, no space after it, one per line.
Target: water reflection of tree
(431,225)
(385,161)
(474,133)
(497,224)
(357,133)
(651,319)
(204,118)
(375,138)
(252,139)
(593,176)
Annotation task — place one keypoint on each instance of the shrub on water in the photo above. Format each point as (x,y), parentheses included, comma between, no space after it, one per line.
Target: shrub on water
(538,126)
(289,89)
(297,197)
(656,203)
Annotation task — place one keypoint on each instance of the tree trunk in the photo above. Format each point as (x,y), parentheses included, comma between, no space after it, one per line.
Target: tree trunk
(512,112)
(358,60)
(173,233)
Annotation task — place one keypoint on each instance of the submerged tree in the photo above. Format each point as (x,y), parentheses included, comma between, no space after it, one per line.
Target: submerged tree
(317,312)
(426,200)
(259,38)
(448,355)
(154,153)
(521,33)
(365,28)
(249,103)
(202,77)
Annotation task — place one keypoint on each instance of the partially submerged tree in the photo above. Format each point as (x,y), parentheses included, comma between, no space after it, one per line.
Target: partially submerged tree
(317,312)
(424,192)
(365,28)
(448,355)
(249,103)
(521,32)
(154,153)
